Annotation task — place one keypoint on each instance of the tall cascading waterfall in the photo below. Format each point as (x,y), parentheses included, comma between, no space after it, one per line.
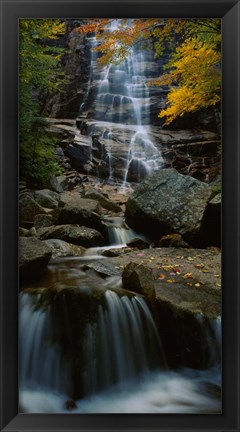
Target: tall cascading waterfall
(121,115)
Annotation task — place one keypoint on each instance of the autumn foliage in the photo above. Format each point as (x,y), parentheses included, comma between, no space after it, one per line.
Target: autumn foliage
(193,71)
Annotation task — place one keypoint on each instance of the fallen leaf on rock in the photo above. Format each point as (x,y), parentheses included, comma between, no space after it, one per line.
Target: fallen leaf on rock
(188,276)
(189,284)
(197,284)
(170,281)
(216,275)
(190,259)
(140,254)
(217,284)
(199,265)
(161,276)
(167,267)
(205,271)
(172,274)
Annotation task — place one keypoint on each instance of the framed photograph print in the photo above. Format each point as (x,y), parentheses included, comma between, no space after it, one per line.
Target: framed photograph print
(120,215)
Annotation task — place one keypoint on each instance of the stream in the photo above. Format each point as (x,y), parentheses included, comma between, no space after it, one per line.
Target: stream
(121,366)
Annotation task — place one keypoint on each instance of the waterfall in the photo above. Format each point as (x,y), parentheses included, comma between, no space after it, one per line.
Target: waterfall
(119,233)
(211,339)
(122,344)
(119,364)
(122,99)
(40,361)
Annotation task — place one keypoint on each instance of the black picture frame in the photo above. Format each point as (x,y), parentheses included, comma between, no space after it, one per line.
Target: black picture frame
(11,11)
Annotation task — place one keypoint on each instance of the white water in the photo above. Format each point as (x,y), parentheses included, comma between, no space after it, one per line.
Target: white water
(123,98)
(119,233)
(186,391)
(123,343)
(40,362)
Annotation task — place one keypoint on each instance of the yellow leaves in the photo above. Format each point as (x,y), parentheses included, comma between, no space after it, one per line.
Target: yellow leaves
(167,267)
(188,276)
(195,71)
(199,266)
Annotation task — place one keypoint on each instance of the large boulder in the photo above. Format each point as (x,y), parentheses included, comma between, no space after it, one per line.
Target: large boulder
(211,228)
(138,278)
(43,220)
(28,209)
(76,210)
(47,198)
(34,256)
(81,236)
(188,320)
(60,248)
(59,184)
(167,202)
(103,200)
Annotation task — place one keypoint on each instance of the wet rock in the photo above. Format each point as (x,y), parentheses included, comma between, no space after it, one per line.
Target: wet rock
(137,170)
(43,220)
(70,405)
(186,316)
(166,202)
(138,278)
(103,201)
(138,243)
(103,269)
(81,236)
(34,256)
(28,209)
(113,252)
(60,248)
(47,198)
(211,228)
(173,240)
(76,210)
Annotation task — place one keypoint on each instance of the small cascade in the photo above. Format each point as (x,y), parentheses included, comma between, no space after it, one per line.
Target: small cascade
(119,233)
(123,343)
(211,339)
(117,364)
(40,362)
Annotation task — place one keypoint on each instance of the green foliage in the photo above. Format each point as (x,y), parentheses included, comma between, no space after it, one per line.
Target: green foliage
(39,74)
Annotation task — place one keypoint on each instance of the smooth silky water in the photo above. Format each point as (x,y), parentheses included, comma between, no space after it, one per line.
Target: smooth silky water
(125,369)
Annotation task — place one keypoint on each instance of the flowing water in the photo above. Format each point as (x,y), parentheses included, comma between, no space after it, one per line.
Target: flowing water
(121,366)
(82,336)
(123,98)
(125,369)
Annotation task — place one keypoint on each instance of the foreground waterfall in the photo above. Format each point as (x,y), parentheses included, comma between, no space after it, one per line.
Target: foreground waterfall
(121,343)
(114,363)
